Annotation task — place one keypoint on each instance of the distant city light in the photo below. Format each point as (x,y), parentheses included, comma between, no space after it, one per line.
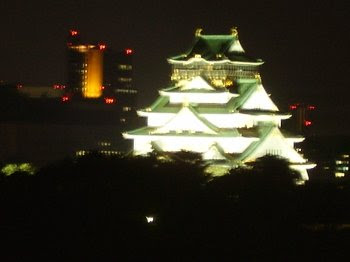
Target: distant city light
(128,51)
(339,174)
(149,219)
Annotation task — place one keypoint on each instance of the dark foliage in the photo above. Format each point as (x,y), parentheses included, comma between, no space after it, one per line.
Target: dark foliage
(95,207)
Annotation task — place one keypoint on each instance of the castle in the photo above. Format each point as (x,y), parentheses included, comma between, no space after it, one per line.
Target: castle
(217,106)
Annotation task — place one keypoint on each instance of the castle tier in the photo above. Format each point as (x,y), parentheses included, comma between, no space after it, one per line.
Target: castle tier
(217,106)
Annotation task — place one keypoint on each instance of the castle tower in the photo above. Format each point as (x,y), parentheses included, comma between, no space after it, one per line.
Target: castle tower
(217,106)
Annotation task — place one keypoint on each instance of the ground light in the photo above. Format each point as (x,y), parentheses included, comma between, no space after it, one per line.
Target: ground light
(150,219)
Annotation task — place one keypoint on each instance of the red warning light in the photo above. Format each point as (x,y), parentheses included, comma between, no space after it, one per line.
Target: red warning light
(293,107)
(102,46)
(311,107)
(128,51)
(307,123)
(109,100)
(56,86)
(65,98)
(73,32)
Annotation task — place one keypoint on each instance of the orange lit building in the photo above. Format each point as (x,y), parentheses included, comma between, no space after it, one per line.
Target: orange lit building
(95,71)
(85,67)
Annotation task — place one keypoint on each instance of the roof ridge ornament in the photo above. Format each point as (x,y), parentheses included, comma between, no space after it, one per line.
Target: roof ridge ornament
(258,78)
(234,31)
(198,31)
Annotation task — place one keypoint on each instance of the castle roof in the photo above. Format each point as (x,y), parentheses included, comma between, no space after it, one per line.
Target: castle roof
(250,92)
(216,48)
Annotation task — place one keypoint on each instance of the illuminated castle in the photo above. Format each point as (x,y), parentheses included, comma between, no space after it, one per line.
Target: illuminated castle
(217,106)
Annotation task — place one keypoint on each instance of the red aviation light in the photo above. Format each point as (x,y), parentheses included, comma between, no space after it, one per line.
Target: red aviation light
(109,100)
(73,32)
(293,107)
(102,46)
(311,107)
(307,123)
(57,86)
(128,51)
(65,98)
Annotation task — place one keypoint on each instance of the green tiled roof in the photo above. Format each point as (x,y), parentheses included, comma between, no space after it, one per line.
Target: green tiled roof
(160,102)
(161,105)
(232,132)
(210,46)
(245,88)
(203,120)
(263,112)
(176,89)
(263,134)
(149,132)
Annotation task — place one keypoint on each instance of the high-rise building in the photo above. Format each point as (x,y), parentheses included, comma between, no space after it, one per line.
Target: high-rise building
(302,117)
(118,78)
(85,67)
(97,71)
(217,106)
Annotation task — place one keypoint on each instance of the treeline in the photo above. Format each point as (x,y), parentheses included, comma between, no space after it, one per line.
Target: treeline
(96,207)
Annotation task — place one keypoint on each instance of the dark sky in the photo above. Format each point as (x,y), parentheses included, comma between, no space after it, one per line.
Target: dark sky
(304,45)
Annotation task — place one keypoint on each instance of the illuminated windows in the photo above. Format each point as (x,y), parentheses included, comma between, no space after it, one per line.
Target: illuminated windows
(125,67)
(103,143)
(124,79)
(126,91)
(104,152)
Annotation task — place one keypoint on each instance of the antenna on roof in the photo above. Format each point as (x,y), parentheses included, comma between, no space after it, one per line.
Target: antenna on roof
(198,31)
(234,31)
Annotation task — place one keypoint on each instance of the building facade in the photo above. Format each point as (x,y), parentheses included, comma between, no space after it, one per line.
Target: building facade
(118,78)
(217,106)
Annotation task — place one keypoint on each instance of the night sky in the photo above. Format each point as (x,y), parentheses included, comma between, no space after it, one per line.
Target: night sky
(304,45)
